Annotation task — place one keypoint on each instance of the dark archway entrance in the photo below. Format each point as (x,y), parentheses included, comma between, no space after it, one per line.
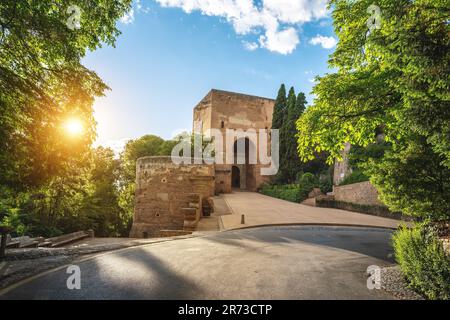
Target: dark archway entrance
(246,170)
(235,177)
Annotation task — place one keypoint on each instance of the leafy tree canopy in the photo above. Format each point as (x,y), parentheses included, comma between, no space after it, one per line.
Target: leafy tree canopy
(42,83)
(395,76)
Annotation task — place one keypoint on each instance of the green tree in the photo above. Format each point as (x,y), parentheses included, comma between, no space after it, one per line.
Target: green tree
(283,175)
(296,107)
(280,108)
(101,205)
(54,207)
(42,83)
(395,77)
(413,180)
(148,145)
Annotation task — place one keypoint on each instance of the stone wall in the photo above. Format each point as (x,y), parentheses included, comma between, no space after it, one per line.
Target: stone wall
(228,110)
(169,196)
(361,193)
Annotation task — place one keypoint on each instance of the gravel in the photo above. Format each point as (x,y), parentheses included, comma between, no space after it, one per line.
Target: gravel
(393,281)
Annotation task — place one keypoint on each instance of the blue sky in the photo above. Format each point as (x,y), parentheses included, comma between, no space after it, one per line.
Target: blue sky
(170,55)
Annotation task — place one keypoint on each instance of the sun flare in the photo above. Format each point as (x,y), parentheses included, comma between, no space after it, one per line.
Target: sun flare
(74,127)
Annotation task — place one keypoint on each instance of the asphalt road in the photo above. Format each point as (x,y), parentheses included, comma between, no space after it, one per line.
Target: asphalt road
(295,262)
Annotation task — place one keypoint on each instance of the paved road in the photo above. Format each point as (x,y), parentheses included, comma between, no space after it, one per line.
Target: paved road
(262,263)
(263,210)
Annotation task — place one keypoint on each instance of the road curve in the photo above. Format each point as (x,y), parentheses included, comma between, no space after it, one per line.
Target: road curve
(291,262)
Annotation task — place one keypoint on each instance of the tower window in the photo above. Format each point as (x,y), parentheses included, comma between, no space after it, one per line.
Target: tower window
(222,124)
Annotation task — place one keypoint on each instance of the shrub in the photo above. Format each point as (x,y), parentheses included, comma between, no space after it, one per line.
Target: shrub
(292,192)
(325,183)
(285,192)
(289,192)
(423,261)
(308,180)
(354,177)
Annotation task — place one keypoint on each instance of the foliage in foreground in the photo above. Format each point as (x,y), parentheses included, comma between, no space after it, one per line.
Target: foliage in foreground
(423,261)
(85,197)
(43,83)
(52,182)
(411,179)
(394,77)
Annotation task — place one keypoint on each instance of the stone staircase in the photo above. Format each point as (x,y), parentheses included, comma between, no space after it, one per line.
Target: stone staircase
(192,211)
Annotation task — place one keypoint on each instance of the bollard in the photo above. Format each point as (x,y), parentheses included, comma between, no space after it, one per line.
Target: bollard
(242,219)
(90,233)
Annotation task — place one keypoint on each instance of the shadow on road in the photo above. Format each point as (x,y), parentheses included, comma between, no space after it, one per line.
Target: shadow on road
(372,242)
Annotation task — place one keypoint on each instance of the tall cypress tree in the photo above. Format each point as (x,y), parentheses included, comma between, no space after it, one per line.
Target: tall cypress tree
(279,116)
(279,109)
(293,165)
(286,135)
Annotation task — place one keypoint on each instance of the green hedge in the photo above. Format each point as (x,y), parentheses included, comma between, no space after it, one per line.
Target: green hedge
(423,261)
(289,192)
(354,177)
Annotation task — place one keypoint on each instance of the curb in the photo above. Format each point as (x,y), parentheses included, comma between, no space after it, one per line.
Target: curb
(312,225)
(90,257)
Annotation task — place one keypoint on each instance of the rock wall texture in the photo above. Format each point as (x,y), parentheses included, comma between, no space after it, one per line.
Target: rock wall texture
(361,193)
(169,196)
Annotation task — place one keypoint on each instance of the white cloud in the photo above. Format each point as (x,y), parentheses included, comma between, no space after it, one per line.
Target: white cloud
(325,42)
(284,41)
(137,7)
(297,11)
(275,19)
(128,17)
(250,46)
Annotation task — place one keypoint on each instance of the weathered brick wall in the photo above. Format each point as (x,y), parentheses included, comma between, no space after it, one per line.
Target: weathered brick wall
(163,189)
(228,110)
(361,193)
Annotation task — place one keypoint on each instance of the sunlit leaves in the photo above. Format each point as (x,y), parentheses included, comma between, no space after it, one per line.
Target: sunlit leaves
(42,83)
(396,76)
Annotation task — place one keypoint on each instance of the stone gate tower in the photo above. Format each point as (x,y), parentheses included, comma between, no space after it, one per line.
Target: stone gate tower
(170,198)
(228,110)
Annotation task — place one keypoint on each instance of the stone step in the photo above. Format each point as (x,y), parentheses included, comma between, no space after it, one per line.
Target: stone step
(64,239)
(24,242)
(189,225)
